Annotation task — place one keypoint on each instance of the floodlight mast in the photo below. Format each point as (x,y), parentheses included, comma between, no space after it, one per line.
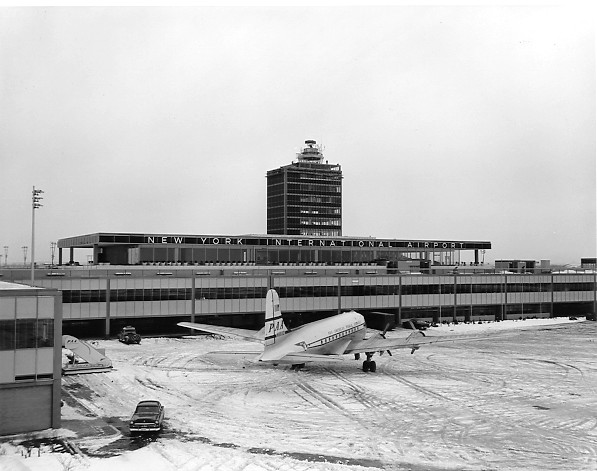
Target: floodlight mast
(35,204)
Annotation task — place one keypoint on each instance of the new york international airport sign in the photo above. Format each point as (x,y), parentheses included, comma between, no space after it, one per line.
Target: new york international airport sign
(314,242)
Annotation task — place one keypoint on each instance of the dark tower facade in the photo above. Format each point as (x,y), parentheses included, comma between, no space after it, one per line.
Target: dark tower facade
(305,197)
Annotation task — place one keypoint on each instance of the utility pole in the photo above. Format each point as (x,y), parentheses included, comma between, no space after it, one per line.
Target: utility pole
(35,204)
(6,255)
(24,247)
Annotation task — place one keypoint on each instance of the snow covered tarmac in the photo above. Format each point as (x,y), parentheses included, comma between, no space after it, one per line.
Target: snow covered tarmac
(524,399)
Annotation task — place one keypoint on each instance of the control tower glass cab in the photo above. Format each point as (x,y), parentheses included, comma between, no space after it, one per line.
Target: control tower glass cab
(305,197)
(310,153)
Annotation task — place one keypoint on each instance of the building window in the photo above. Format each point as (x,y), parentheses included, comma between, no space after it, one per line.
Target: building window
(7,335)
(25,333)
(45,333)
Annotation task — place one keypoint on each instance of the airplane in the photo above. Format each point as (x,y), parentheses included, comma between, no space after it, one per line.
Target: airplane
(325,340)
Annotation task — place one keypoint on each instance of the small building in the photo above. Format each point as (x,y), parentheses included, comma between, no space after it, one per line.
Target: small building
(588,263)
(523,266)
(30,358)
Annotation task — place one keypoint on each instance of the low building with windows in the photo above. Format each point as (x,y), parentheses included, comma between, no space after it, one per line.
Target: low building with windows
(154,281)
(588,263)
(98,300)
(30,358)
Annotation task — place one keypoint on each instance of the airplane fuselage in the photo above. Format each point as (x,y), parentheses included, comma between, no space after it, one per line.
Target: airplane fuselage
(331,336)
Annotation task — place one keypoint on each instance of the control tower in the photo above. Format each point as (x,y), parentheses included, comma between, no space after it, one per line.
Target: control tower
(310,153)
(305,197)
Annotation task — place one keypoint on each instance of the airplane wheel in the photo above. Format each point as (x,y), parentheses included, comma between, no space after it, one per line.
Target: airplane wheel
(372,366)
(366,366)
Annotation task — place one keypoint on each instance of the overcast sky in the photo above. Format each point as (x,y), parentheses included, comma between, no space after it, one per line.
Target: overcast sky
(465,123)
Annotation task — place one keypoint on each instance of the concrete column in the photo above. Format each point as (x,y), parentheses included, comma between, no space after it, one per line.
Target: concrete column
(96,252)
(551,311)
(455,296)
(57,365)
(107,328)
(505,303)
(594,293)
(193,290)
(339,294)
(399,322)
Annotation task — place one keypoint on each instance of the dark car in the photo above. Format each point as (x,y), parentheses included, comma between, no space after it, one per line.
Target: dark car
(148,417)
(415,324)
(129,335)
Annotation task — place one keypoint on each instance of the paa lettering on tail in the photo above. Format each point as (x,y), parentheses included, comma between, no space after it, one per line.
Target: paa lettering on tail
(274,323)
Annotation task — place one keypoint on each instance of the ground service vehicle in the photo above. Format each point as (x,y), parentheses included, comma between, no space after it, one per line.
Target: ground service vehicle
(148,417)
(129,335)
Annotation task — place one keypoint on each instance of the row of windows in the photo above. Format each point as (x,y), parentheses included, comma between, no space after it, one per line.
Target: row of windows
(320,211)
(320,232)
(275,200)
(336,200)
(320,222)
(323,177)
(328,176)
(252,292)
(313,187)
(337,336)
(26,333)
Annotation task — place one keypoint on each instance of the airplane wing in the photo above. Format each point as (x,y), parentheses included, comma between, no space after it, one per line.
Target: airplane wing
(378,343)
(296,358)
(245,334)
(307,357)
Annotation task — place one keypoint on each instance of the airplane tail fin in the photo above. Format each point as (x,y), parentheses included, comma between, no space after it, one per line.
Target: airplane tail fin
(274,323)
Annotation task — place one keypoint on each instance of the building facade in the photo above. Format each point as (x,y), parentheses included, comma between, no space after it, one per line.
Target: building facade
(99,300)
(305,197)
(30,358)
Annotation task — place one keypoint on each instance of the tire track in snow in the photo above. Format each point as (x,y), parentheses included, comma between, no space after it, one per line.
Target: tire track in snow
(385,369)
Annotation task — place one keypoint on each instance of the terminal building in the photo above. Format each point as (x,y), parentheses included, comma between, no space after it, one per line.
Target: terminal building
(154,281)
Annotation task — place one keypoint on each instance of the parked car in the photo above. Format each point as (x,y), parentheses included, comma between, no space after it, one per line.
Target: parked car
(415,323)
(148,417)
(129,335)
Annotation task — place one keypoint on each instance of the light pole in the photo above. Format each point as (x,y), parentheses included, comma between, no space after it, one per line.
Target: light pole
(35,204)
(6,255)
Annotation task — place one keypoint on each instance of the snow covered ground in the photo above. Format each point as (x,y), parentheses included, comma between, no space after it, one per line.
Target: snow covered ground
(523,398)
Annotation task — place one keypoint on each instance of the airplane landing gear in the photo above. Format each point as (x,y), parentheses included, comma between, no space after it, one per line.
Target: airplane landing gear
(369,364)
